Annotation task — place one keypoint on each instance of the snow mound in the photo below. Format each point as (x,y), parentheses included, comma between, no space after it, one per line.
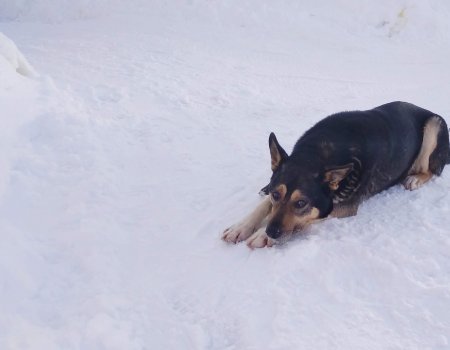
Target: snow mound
(11,54)
(17,100)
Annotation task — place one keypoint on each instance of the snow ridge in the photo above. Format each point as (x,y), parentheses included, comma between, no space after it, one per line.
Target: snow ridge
(12,55)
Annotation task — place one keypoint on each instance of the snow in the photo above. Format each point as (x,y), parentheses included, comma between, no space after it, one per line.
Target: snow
(11,54)
(145,135)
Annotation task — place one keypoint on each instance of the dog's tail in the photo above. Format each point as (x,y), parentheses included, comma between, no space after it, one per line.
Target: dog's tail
(448,155)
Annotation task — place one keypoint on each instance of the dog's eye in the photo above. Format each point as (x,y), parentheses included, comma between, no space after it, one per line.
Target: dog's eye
(276,196)
(300,204)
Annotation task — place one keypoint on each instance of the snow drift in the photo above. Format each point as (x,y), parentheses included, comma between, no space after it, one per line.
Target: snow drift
(9,53)
(16,99)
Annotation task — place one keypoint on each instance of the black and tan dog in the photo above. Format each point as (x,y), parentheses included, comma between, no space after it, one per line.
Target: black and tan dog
(342,160)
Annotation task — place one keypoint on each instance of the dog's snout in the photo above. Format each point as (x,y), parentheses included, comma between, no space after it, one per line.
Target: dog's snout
(273,231)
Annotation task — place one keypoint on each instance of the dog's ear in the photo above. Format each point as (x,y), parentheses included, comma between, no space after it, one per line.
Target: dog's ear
(333,176)
(277,153)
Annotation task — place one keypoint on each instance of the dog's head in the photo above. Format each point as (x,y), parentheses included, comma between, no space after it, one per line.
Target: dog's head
(300,191)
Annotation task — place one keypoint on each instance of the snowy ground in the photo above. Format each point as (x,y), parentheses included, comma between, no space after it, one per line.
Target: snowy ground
(145,135)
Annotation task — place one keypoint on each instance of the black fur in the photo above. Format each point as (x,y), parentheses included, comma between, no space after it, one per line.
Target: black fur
(448,158)
(380,145)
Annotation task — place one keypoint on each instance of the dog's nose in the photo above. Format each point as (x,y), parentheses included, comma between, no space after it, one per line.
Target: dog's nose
(273,231)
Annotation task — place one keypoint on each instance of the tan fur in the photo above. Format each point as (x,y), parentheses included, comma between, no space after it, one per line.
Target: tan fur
(334,185)
(413,182)
(282,190)
(336,175)
(260,239)
(296,196)
(344,211)
(249,225)
(292,222)
(275,156)
(429,143)
(420,172)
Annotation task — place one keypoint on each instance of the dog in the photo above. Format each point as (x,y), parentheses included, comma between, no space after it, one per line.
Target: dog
(341,161)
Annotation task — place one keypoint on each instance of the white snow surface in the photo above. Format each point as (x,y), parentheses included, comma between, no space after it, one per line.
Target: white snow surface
(9,53)
(145,135)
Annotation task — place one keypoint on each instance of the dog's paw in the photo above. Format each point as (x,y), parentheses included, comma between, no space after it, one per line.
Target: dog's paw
(260,239)
(238,233)
(413,182)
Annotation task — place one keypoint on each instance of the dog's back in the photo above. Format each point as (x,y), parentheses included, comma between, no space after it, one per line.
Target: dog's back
(382,143)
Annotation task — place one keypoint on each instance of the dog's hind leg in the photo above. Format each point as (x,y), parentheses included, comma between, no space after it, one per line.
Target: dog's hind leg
(345,210)
(249,225)
(441,154)
(420,171)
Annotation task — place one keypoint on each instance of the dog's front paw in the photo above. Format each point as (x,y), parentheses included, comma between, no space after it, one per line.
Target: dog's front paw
(260,239)
(238,233)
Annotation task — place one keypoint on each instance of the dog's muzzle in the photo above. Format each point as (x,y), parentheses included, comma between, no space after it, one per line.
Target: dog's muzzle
(274,231)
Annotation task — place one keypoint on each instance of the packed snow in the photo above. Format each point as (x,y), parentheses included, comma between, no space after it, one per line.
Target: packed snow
(133,133)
